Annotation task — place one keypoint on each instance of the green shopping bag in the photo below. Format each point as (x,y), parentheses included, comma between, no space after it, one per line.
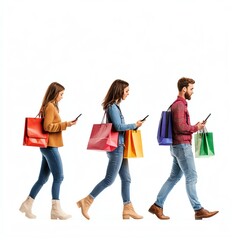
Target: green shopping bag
(204,146)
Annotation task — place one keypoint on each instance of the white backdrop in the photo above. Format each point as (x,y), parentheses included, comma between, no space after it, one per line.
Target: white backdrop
(85,45)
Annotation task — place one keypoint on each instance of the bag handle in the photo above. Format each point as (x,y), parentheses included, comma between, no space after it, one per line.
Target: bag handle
(39,114)
(172,104)
(204,130)
(104,116)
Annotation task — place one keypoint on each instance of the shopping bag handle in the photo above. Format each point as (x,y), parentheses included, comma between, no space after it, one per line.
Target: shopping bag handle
(172,104)
(204,130)
(104,116)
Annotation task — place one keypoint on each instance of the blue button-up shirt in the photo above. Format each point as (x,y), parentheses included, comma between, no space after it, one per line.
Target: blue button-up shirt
(114,116)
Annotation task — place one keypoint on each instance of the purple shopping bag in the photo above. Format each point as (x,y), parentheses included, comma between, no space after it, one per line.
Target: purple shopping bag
(164,134)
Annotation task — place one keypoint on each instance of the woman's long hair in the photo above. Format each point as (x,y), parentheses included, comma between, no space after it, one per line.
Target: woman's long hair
(50,96)
(115,93)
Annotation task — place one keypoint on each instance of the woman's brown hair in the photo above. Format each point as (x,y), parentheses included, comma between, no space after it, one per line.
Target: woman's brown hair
(115,93)
(50,96)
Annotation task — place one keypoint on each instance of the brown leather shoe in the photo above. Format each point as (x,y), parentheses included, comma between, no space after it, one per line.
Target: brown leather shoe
(154,209)
(203,213)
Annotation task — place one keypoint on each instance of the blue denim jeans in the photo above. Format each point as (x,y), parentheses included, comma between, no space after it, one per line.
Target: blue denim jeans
(51,163)
(183,163)
(116,165)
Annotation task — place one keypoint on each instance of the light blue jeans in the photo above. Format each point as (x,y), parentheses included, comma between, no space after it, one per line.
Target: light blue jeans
(183,163)
(51,163)
(116,165)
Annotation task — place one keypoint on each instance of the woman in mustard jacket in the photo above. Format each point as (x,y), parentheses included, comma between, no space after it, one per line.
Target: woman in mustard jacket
(51,159)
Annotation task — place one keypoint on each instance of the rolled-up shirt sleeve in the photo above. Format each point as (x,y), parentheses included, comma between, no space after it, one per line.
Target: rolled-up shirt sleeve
(117,119)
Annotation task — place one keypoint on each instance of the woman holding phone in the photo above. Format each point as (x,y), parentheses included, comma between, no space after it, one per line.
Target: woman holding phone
(51,159)
(118,91)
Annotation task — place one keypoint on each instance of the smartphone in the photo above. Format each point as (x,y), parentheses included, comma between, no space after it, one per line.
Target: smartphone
(142,121)
(144,118)
(77,117)
(207,117)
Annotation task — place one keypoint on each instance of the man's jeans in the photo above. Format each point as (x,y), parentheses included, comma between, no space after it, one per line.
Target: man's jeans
(183,163)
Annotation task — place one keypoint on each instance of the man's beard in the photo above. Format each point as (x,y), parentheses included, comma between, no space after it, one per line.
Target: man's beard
(187,96)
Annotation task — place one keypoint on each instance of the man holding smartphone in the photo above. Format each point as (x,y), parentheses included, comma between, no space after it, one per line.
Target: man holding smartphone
(181,151)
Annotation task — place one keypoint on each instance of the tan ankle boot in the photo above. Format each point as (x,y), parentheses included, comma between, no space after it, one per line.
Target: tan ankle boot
(85,204)
(128,211)
(26,207)
(57,212)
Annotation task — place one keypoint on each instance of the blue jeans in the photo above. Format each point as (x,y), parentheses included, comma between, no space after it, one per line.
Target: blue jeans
(183,163)
(116,165)
(51,163)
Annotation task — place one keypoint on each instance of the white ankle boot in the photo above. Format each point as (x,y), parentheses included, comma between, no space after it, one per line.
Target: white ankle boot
(57,212)
(26,207)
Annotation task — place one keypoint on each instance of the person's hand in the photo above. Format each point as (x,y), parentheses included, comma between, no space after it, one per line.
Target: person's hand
(139,123)
(71,123)
(201,125)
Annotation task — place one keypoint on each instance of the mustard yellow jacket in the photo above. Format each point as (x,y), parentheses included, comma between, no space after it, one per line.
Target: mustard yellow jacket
(52,124)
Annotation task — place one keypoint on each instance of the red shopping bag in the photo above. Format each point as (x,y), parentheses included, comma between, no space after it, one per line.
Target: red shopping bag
(34,135)
(103,138)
